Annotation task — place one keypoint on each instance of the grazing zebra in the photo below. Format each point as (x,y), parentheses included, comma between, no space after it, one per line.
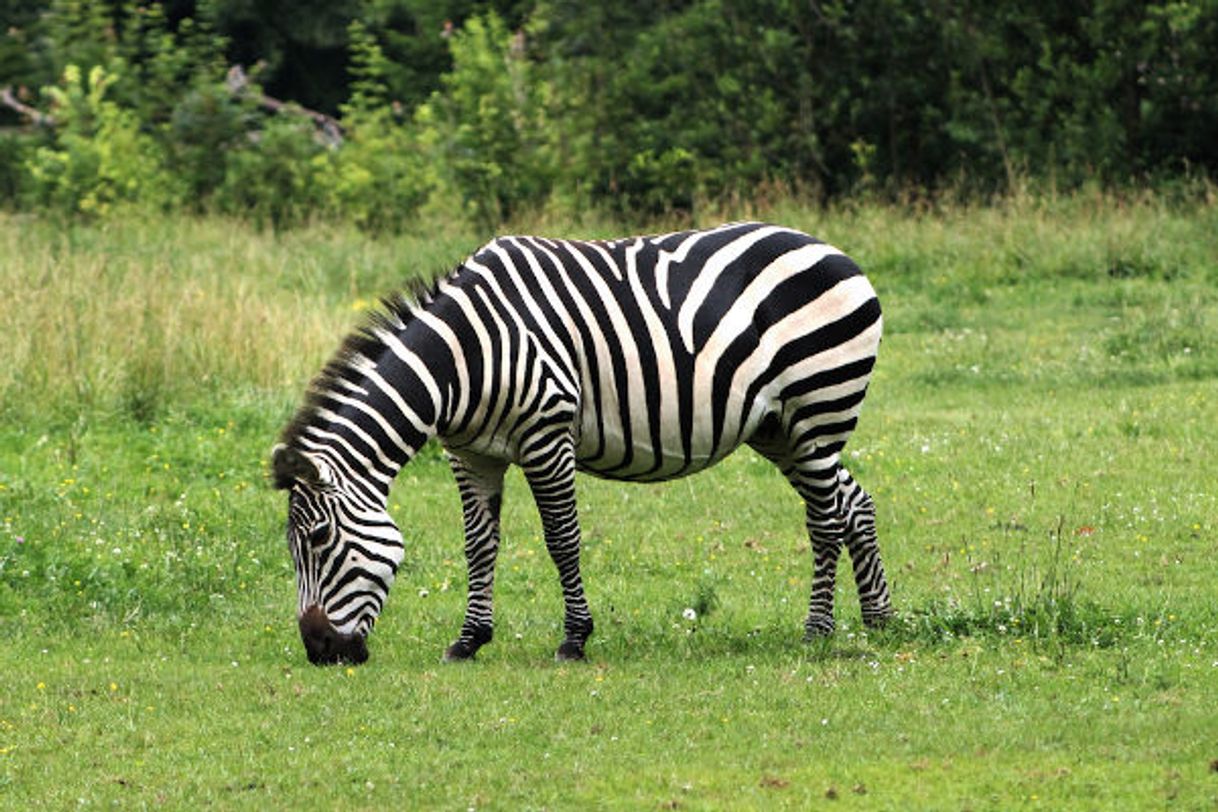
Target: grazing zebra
(638,359)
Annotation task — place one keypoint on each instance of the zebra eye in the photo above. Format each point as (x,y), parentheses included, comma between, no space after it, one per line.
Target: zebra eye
(319,535)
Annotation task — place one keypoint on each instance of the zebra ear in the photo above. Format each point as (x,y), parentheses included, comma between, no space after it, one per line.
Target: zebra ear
(289,466)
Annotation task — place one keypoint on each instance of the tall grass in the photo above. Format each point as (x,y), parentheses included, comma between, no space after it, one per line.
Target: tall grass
(137,315)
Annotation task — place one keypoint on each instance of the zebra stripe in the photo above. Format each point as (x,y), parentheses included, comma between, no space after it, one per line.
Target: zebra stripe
(642,359)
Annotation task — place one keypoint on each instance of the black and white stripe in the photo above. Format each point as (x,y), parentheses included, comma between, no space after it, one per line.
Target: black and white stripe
(645,358)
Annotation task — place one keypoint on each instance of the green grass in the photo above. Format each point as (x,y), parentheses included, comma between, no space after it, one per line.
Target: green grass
(1039,441)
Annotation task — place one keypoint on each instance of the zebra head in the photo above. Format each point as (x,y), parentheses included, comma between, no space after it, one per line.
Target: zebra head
(346,550)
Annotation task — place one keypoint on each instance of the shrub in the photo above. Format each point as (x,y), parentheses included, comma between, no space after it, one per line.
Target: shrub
(275,177)
(659,183)
(206,123)
(488,126)
(377,179)
(15,149)
(99,157)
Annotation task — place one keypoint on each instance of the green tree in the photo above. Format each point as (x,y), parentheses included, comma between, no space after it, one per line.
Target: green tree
(488,126)
(377,178)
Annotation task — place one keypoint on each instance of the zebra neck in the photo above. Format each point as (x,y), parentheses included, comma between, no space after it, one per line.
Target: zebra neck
(375,406)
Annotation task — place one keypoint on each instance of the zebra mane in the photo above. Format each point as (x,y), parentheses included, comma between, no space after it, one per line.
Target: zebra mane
(396,310)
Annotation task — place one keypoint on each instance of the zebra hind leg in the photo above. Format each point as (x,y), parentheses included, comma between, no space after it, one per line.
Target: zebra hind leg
(827,532)
(826,528)
(858,512)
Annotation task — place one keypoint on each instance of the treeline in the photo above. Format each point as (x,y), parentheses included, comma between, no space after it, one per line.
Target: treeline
(489,109)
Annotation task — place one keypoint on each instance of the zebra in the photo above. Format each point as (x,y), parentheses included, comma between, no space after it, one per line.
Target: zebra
(641,359)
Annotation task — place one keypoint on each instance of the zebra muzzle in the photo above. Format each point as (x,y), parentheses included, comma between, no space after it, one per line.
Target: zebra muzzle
(325,644)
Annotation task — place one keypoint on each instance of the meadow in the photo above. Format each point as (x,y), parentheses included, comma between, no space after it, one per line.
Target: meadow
(1039,439)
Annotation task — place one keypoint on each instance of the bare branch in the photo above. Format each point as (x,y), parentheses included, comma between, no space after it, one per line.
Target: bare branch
(9,100)
(239,85)
(330,130)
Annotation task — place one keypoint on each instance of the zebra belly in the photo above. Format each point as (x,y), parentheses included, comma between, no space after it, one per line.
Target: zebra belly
(671,467)
(602,448)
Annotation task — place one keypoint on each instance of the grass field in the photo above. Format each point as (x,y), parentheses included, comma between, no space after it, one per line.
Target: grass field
(1039,440)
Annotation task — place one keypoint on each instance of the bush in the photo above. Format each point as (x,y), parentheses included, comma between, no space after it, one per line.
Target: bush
(488,127)
(632,107)
(655,184)
(378,178)
(207,123)
(15,149)
(99,157)
(276,176)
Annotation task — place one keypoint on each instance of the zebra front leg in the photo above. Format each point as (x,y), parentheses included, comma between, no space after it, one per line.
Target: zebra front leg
(551,476)
(480,482)
(859,513)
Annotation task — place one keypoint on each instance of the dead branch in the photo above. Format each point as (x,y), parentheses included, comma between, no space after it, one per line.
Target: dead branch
(9,100)
(329,129)
(239,85)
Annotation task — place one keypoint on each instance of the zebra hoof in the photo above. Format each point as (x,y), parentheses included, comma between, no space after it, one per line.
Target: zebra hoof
(569,651)
(818,627)
(459,652)
(877,620)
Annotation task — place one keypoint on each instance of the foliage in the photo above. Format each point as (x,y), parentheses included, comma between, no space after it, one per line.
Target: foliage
(166,61)
(79,32)
(22,61)
(206,127)
(688,111)
(378,178)
(178,96)
(275,178)
(300,46)
(100,157)
(415,36)
(488,126)
(14,164)
(487,109)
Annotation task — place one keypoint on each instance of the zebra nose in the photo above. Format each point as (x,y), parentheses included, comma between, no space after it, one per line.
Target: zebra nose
(326,645)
